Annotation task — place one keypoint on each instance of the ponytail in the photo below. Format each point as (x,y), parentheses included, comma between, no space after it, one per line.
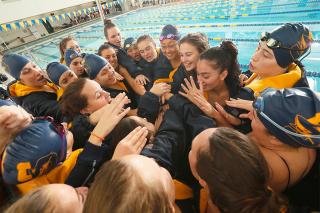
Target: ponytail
(224,57)
(264,202)
(108,24)
(62,47)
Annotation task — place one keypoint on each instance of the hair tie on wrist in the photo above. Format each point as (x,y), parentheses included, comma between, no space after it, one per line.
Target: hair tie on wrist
(97,136)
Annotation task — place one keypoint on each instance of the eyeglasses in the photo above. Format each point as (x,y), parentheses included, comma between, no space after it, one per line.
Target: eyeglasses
(258,105)
(273,43)
(169,36)
(59,128)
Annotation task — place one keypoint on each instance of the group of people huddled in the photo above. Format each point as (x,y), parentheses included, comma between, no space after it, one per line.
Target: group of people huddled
(138,128)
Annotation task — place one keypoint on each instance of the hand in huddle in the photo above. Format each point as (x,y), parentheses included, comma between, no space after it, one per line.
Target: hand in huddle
(160,89)
(133,143)
(190,90)
(110,117)
(12,120)
(141,79)
(118,76)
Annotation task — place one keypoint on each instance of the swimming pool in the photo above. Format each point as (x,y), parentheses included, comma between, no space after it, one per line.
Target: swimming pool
(239,21)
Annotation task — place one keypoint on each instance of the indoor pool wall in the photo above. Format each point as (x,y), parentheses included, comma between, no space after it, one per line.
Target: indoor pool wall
(239,21)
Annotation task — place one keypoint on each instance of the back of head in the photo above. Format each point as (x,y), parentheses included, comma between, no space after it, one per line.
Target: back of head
(108,24)
(35,151)
(198,40)
(225,57)
(114,186)
(236,174)
(291,115)
(72,101)
(36,201)
(293,42)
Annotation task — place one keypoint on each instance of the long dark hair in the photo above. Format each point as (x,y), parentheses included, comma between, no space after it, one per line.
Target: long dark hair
(108,24)
(72,101)
(225,58)
(237,174)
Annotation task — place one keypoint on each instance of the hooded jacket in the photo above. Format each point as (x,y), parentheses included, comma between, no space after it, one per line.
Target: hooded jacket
(37,101)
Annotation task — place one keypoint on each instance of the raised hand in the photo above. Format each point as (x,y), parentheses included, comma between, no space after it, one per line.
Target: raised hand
(112,114)
(190,90)
(133,143)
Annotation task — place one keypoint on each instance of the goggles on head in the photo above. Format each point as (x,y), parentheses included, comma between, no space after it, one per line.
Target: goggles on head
(273,43)
(258,105)
(169,36)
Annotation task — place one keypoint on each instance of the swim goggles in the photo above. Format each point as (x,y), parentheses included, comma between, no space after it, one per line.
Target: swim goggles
(273,43)
(169,36)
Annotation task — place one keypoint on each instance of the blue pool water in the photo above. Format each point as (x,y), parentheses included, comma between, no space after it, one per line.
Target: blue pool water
(239,21)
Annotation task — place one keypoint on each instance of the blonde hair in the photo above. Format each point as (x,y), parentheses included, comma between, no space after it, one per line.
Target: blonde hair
(112,189)
(35,201)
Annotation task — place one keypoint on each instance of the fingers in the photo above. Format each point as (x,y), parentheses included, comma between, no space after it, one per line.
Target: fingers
(187,84)
(138,140)
(124,113)
(230,118)
(244,115)
(163,99)
(192,83)
(184,88)
(184,95)
(201,87)
(143,80)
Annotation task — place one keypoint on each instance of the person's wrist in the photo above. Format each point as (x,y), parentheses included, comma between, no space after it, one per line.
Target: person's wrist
(96,139)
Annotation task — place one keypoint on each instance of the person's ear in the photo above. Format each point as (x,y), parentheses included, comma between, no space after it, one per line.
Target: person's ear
(223,75)
(84,111)
(274,140)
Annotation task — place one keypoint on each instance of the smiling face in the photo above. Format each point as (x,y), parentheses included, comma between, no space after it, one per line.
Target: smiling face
(208,76)
(170,48)
(111,56)
(264,63)
(32,75)
(95,95)
(189,55)
(106,76)
(114,36)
